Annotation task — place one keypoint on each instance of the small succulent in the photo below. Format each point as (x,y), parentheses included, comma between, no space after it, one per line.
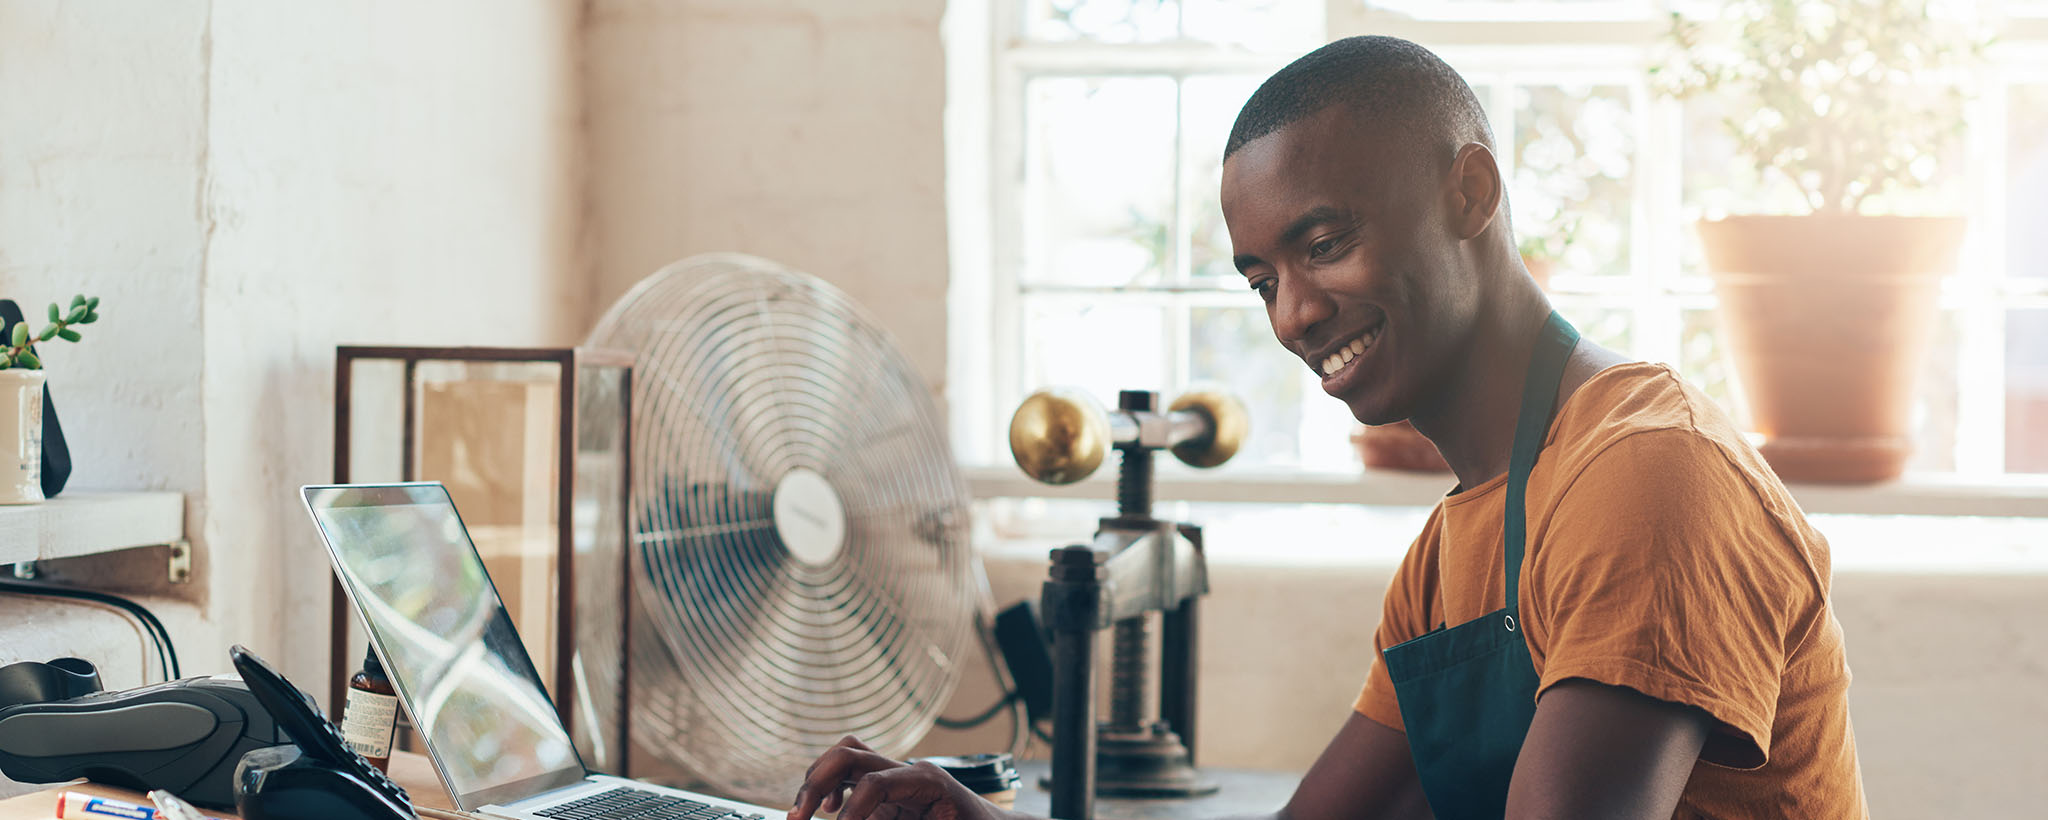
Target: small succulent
(63,325)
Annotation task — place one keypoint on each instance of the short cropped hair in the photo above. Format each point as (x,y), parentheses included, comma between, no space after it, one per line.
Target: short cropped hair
(1385,80)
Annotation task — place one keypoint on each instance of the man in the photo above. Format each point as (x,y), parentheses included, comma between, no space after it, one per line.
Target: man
(1619,612)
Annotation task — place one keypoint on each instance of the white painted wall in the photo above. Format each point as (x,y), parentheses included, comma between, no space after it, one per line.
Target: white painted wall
(384,172)
(249,184)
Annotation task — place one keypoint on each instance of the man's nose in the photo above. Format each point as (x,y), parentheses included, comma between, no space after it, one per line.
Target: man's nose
(1299,308)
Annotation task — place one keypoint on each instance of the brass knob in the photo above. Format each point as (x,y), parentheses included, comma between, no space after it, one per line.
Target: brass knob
(1059,435)
(1227,417)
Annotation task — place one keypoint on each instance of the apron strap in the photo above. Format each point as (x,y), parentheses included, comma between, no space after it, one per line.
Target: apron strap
(1539,397)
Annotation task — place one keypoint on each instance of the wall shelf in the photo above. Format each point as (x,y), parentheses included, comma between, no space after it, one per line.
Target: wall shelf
(85,523)
(2014,496)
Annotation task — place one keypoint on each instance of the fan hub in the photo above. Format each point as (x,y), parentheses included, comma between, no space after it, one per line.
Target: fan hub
(809,517)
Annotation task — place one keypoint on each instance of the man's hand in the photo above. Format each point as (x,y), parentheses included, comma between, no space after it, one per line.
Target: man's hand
(852,779)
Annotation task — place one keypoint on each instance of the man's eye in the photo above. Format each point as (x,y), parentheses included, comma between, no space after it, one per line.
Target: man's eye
(1264,287)
(1323,249)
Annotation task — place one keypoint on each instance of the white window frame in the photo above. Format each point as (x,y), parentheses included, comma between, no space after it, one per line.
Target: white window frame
(990,64)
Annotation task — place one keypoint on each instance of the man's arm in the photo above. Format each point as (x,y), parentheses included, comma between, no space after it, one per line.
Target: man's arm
(1366,773)
(1596,750)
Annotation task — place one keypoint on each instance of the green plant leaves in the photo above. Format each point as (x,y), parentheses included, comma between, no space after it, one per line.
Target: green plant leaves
(54,315)
(67,334)
(21,334)
(28,360)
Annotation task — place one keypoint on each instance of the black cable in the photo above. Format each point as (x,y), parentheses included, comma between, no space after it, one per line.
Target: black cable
(985,716)
(166,653)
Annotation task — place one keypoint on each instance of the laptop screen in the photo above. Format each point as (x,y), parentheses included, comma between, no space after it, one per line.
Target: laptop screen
(446,640)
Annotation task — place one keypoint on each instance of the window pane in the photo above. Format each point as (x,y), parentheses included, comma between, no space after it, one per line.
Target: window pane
(1934,410)
(2026,187)
(1287,26)
(1098,347)
(1606,326)
(1106,21)
(1704,362)
(1235,348)
(1209,107)
(2026,391)
(1099,181)
(1574,176)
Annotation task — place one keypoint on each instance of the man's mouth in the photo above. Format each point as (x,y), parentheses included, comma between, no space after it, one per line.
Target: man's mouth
(1350,352)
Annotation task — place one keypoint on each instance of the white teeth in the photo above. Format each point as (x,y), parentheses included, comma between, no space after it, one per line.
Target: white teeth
(1345,354)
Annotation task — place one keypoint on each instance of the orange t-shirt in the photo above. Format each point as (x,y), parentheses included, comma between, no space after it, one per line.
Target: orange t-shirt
(1664,556)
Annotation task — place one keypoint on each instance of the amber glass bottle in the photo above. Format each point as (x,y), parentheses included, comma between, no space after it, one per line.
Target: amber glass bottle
(369,720)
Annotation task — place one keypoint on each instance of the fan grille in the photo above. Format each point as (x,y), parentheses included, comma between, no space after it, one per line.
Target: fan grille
(749,660)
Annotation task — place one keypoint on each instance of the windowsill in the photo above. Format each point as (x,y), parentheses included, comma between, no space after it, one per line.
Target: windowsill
(1918,494)
(87,523)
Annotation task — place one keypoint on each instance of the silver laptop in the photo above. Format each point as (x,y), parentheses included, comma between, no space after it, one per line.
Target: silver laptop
(444,637)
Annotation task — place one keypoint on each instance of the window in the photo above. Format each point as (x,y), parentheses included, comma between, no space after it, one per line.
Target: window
(1099,254)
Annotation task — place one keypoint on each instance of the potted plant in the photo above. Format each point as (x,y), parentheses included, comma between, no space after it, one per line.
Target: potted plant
(1827,312)
(21,399)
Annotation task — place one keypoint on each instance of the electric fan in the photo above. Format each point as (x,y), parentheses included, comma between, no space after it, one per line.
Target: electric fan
(799,554)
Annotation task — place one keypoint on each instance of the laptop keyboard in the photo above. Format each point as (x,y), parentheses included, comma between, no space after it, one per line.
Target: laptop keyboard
(625,803)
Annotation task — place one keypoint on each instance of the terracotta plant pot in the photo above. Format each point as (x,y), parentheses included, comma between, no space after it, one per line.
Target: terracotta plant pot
(1828,318)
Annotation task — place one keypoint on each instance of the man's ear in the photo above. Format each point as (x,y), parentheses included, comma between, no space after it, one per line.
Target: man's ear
(1475,190)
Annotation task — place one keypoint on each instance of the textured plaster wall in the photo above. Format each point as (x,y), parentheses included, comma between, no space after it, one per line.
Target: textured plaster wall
(805,131)
(102,140)
(382,172)
(249,184)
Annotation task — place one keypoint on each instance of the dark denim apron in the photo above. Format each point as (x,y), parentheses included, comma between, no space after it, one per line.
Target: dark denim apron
(1468,693)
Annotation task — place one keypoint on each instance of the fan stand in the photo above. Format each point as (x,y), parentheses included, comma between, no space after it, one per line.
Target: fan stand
(1137,565)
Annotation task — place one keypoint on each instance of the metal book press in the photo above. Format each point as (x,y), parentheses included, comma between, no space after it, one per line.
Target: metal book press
(1137,565)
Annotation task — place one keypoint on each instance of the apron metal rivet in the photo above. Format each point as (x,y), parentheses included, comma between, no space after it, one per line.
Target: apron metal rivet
(1510,620)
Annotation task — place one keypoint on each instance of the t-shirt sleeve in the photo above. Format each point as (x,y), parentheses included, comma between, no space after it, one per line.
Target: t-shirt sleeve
(1404,614)
(1660,570)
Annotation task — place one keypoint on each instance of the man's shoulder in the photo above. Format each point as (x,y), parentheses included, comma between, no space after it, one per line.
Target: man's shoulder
(1650,408)
(1646,441)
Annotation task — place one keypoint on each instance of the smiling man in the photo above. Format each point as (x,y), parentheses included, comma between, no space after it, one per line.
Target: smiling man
(1618,612)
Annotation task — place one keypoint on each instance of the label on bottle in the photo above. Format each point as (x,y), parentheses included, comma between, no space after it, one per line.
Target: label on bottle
(368,722)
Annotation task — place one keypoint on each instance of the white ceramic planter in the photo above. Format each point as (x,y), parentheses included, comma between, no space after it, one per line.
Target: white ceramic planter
(21,436)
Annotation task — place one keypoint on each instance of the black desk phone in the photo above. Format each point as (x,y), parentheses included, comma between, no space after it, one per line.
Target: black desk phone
(320,777)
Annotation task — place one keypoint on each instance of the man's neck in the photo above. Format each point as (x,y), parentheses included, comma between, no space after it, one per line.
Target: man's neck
(1473,421)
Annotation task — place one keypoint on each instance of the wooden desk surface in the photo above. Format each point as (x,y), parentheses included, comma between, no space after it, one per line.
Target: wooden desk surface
(1244,792)
(413,772)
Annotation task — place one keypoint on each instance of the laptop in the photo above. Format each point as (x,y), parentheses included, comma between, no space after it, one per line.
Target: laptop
(445,639)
